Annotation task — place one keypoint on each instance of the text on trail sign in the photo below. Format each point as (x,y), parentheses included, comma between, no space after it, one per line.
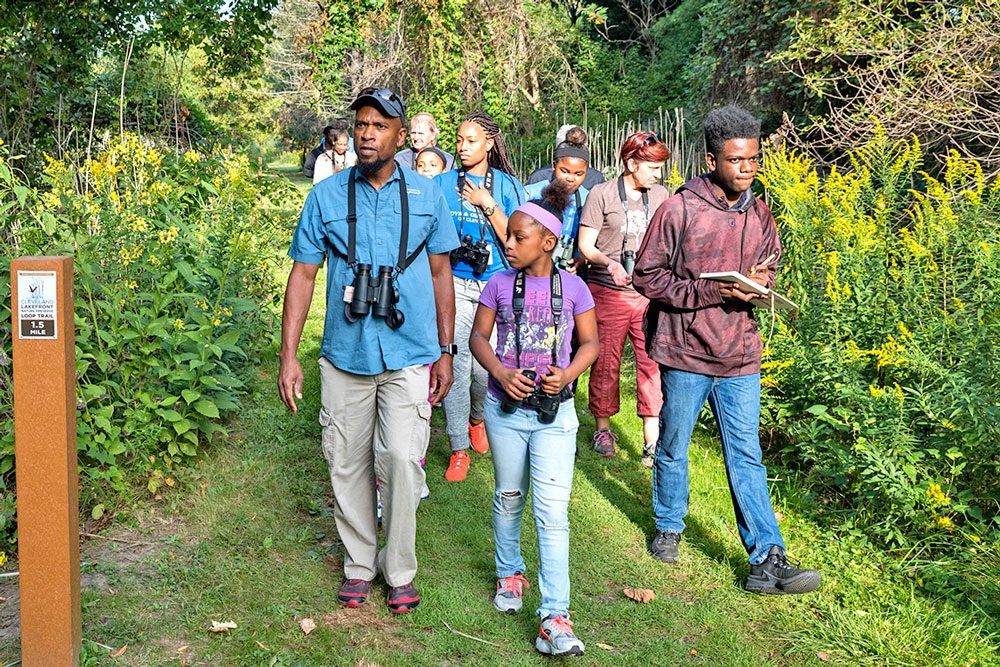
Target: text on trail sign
(36,304)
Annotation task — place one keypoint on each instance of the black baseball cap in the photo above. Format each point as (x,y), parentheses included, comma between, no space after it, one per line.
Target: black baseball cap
(387,101)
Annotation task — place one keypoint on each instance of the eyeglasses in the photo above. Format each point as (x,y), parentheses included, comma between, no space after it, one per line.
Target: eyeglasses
(653,138)
(385,95)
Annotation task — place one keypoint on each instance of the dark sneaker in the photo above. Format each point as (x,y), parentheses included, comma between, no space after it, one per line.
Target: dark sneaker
(510,591)
(664,546)
(354,592)
(648,454)
(776,576)
(403,599)
(604,442)
(556,638)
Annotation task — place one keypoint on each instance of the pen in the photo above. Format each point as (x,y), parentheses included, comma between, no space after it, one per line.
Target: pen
(770,258)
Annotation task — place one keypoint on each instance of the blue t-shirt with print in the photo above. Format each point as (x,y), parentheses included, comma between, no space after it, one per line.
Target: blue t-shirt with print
(369,346)
(469,219)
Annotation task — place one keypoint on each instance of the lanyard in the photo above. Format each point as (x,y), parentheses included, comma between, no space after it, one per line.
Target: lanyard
(488,184)
(404,232)
(556,301)
(484,224)
(624,198)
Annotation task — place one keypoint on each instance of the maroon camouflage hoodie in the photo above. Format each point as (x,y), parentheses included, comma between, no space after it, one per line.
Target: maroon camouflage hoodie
(688,325)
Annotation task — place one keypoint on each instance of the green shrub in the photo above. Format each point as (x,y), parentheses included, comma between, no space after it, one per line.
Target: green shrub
(175,292)
(884,389)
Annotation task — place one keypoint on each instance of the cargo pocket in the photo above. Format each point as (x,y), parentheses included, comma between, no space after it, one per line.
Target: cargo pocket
(421,431)
(327,430)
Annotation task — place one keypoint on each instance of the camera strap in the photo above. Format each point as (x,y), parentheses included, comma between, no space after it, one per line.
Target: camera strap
(556,301)
(485,226)
(403,261)
(624,197)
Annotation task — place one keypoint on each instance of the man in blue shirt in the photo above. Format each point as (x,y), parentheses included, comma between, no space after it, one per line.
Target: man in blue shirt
(390,312)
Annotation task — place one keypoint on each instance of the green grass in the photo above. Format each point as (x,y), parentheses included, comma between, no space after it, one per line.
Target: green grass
(247,536)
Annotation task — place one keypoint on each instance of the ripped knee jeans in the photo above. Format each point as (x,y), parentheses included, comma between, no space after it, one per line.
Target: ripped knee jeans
(531,457)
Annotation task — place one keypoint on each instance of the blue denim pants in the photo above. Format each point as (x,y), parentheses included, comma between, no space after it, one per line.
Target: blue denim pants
(735,402)
(528,452)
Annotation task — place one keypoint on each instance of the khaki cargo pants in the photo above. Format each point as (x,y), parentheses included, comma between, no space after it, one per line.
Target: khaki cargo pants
(376,427)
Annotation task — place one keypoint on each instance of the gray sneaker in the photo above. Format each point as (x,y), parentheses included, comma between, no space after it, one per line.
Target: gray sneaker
(665,546)
(604,442)
(648,454)
(776,576)
(556,638)
(510,590)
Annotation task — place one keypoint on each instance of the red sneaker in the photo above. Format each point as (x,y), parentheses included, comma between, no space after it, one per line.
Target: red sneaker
(458,466)
(403,599)
(477,434)
(353,592)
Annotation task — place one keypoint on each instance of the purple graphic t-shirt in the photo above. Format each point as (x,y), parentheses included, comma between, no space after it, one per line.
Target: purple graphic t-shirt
(536,321)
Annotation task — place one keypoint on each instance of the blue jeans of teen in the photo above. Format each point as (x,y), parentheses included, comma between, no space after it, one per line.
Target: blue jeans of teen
(735,402)
(528,452)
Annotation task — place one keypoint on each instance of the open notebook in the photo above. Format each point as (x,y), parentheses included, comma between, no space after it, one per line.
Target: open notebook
(768,298)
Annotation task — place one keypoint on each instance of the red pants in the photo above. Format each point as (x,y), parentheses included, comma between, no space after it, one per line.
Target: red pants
(619,314)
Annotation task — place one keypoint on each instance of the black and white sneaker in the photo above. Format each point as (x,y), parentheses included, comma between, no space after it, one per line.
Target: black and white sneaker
(664,546)
(776,576)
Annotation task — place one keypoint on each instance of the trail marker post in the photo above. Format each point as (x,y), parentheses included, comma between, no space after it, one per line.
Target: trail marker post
(48,542)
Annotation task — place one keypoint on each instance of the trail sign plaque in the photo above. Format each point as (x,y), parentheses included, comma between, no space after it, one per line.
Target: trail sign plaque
(36,305)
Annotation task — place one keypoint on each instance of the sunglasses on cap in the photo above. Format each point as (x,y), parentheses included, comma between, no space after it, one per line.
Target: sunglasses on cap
(388,101)
(653,138)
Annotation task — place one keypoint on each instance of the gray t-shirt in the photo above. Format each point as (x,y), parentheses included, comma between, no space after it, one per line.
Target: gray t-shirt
(603,212)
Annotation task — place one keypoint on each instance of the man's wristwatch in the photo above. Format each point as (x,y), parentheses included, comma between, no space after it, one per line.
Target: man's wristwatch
(449,349)
(491,210)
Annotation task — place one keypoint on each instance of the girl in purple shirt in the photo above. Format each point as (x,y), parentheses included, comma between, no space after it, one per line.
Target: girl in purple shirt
(530,416)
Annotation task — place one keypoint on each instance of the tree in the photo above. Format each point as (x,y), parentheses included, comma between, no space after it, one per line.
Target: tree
(911,68)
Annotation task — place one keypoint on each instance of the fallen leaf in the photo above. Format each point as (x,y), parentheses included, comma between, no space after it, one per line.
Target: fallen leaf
(693,651)
(224,626)
(263,647)
(307,625)
(779,516)
(120,652)
(605,647)
(182,648)
(823,656)
(640,595)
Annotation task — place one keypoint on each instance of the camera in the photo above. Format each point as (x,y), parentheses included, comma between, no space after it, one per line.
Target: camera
(563,254)
(547,405)
(378,291)
(628,261)
(475,253)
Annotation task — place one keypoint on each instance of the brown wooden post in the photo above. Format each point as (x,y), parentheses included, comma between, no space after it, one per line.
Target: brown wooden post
(48,542)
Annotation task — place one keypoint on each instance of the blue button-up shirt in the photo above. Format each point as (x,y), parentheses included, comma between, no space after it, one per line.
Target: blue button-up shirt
(369,346)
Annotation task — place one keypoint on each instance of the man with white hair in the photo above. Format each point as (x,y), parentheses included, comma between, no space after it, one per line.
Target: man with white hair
(423,134)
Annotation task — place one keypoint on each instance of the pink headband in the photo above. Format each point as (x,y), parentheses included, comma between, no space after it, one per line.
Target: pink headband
(541,216)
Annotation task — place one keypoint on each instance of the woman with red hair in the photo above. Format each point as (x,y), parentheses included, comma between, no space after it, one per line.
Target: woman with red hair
(612,226)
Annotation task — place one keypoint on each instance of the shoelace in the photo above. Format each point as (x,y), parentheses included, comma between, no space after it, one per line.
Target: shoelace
(456,461)
(515,585)
(607,437)
(781,561)
(562,624)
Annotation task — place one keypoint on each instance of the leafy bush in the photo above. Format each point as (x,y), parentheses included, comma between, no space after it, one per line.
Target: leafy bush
(174,286)
(884,389)
(887,384)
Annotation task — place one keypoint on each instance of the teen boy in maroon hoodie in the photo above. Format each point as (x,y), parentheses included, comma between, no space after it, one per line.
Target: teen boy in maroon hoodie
(705,338)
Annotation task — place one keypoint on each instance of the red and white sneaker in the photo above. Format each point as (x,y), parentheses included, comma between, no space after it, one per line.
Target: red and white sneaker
(510,590)
(556,638)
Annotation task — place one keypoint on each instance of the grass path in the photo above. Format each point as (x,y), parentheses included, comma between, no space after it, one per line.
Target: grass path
(247,536)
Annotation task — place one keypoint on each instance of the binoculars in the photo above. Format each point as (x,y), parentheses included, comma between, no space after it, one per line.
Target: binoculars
(476,253)
(547,405)
(563,254)
(628,261)
(376,295)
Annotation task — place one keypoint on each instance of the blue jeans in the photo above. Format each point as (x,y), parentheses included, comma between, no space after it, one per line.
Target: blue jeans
(526,451)
(735,402)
